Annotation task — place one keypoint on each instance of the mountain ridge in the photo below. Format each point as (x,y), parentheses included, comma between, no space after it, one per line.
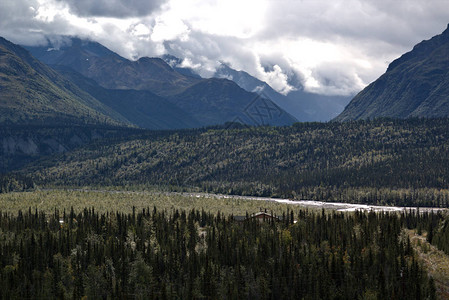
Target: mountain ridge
(414,85)
(31,92)
(112,71)
(155,75)
(139,107)
(306,107)
(230,103)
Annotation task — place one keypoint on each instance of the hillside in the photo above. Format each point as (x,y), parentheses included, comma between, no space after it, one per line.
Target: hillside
(112,71)
(306,107)
(32,93)
(414,85)
(395,162)
(142,108)
(195,96)
(20,145)
(226,101)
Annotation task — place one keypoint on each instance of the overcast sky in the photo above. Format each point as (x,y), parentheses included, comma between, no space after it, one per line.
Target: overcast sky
(333,47)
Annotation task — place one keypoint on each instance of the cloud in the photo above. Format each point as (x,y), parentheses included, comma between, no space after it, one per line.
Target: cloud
(328,47)
(169,28)
(113,8)
(277,79)
(333,48)
(17,26)
(334,79)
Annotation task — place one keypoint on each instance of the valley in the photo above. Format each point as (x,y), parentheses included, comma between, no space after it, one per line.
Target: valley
(383,162)
(143,178)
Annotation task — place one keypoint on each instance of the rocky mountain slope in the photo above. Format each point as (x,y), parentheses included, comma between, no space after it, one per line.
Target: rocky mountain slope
(113,72)
(227,102)
(306,107)
(142,108)
(414,85)
(32,93)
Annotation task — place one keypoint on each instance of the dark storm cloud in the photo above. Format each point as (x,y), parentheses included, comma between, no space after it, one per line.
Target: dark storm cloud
(16,20)
(19,23)
(394,22)
(113,8)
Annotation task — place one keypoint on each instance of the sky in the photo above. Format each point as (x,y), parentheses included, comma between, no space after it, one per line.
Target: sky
(330,47)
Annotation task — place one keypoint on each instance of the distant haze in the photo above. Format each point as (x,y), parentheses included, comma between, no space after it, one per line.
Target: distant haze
(327,47)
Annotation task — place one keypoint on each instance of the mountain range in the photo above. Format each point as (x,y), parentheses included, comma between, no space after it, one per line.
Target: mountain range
(169,79)
(304,106)
(414,85)
(83,82)
(143,108)
(112,71)
(135,88)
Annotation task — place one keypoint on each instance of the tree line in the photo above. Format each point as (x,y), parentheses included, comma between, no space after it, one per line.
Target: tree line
(401,162)
(155,254)
(16,182)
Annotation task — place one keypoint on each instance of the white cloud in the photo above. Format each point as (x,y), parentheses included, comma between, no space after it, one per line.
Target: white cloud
(277,79)
(168,27)
(332,47)
(141,31)
(187,63)
(113,8)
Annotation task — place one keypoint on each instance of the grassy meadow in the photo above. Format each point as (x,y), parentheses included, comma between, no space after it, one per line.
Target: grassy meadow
(124,201)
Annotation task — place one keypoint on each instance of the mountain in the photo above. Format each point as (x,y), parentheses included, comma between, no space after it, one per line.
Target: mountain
(176,64)
(191,94)
(32,93)
(142,108)
(112,71)
(414,85)
(226,101)
(303,106)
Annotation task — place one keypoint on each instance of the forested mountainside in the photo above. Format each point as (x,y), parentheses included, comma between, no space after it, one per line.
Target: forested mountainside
(32,93)
(402,162)
(414,85)
(15,183)
(153,254)
(20,145)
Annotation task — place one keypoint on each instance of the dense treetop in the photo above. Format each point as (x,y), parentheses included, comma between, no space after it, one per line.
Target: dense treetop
(384,161)
(153,254)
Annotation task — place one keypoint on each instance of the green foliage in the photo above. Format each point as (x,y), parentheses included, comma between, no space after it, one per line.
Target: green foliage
(124,201)
(401,162)
(20,145)
(440,235)
(154,254)
(10,183)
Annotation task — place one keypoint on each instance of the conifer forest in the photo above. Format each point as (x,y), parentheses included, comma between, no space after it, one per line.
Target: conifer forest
(161,254)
